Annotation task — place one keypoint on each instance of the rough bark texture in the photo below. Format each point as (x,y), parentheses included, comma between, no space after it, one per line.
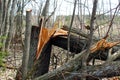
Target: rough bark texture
(76,44)
(46,9)
(97,72)
(67,71)
(42,65)
(103,55)
(72,65)
(77,31)
(0,14)
(11,24)
(27,45)
(33,45)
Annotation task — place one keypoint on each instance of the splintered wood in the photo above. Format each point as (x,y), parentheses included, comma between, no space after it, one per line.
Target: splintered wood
(45,35)
(102,45)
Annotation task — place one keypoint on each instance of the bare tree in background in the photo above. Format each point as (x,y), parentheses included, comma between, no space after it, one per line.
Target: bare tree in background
(11,24)
(46,9)
(0,13)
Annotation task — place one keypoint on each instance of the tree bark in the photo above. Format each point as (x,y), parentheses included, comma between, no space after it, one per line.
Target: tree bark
(33,45)
(97,72)
(77,31)
(69,31)
(70,66)
(3,10)
(11,24)
(46,9)
(77,45)
(42,64)
(0,14)
(67,71)
(5,26)
(27,45)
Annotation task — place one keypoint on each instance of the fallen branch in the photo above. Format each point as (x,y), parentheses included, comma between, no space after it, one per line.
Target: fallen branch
(98,72)
(107,70)
(77,31)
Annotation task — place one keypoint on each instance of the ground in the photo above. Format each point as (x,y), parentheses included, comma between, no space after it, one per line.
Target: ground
(12,62)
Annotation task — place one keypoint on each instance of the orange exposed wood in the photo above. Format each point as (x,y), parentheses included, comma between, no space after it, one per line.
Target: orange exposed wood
(60,32)
(45,35)
(103,44)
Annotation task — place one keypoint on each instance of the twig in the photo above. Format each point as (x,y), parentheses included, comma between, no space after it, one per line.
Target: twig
(50,15)
(110,25)
(70,29)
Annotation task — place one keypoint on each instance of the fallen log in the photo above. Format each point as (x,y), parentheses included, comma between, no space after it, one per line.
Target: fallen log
(108,70)
(97,72)
(77,45)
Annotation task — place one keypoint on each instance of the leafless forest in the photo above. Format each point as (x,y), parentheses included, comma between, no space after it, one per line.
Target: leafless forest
(59,39)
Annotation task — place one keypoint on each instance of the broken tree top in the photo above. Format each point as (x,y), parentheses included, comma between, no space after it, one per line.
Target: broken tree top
(46,34)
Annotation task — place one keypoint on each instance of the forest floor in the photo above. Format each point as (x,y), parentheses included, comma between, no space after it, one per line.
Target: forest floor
(14,60)
(12,63)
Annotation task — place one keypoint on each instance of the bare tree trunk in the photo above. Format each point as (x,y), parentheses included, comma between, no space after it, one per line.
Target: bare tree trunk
(33,46)
(70,30)
(4,10)
(46,9)
(0,14)
(86,55)
(5,26)
(27,45)
(42,64)
(5,21)
(19,27)
(11,24)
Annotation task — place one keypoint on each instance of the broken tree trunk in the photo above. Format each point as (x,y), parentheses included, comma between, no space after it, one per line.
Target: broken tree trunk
(77,45)
(33,45)
(42,64)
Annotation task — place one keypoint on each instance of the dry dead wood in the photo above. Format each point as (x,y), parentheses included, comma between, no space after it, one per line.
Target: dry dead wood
(106,70)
